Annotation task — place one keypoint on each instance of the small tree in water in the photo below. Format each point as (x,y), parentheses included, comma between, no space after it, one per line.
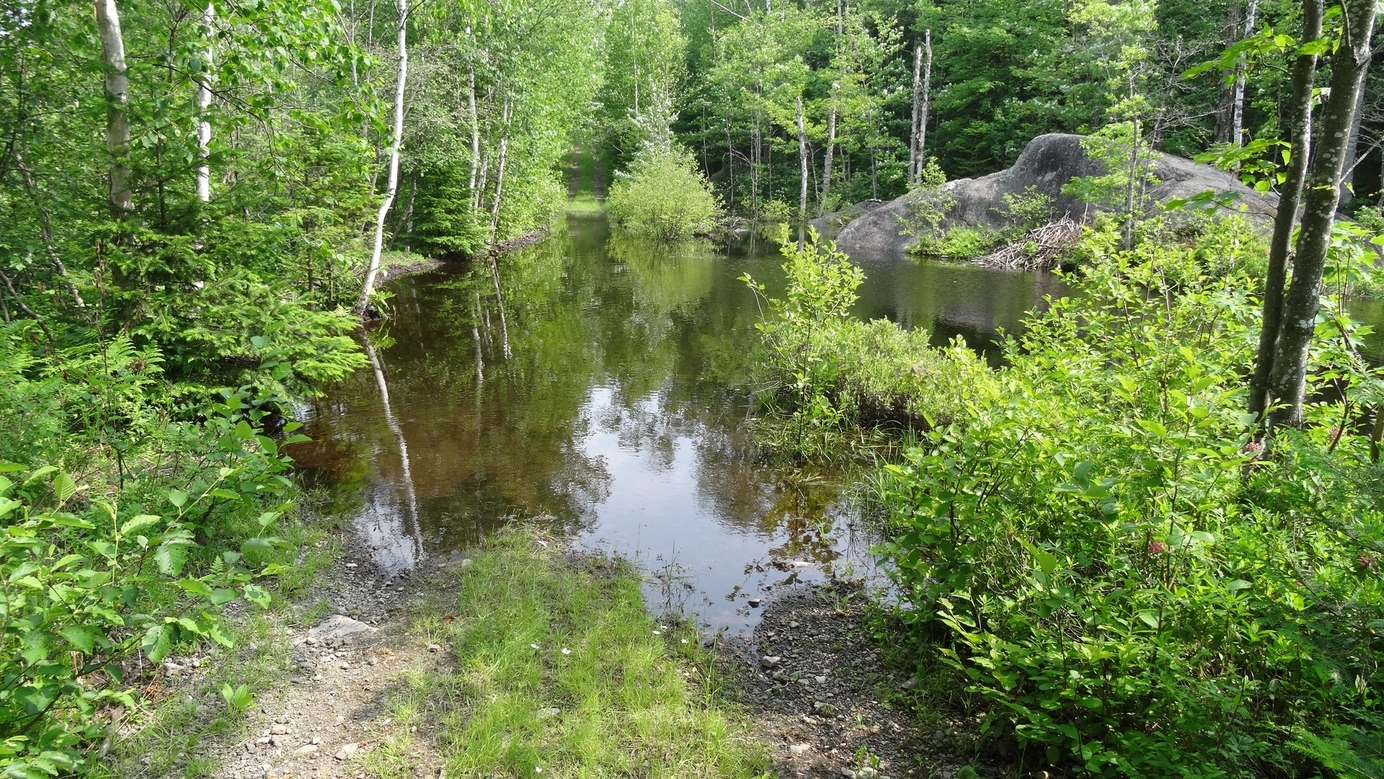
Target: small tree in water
(663,194)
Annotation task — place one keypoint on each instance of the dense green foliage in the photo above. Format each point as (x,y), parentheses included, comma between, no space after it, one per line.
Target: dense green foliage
(825,374)
(1002,73)
(663,195)
(1127,579)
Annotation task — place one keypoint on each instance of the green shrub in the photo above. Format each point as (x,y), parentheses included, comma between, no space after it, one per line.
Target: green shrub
(825,372)
(1124,577)
(663,195)
(126,528)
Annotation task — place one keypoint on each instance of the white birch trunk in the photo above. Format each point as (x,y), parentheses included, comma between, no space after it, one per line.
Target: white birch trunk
(913,127)
(802,161)
(1237,107)
(927,104)
(475,126)
(392,187)
(500,175)
(117,86)
(831,148)
(204,103)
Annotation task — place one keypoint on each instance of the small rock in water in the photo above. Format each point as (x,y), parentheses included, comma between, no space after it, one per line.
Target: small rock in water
(754,602)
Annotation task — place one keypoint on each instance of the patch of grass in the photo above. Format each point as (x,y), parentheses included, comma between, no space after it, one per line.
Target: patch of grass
(584,204)
(533,633)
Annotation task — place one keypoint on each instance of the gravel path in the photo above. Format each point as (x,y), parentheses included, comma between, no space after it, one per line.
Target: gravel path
(811,678)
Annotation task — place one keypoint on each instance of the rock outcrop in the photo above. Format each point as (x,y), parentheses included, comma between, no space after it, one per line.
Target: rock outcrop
(1046,165)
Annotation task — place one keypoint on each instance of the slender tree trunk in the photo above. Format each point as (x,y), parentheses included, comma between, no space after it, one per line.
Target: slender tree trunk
(1349,64)
(1300,136)
(117,86)
(203,104)
(802,163)
(392,188)
(1133,182)
(1353,148)
(826,163)
(756,164)
(1237,108)
(45,221)
(500,174)
(917,107)
(927,104)
(1225,99)
(475,122)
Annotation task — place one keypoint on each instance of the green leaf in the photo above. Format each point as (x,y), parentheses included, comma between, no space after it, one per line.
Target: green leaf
(39,474)
(196,587)
(138,523)
(1149,618)
(64,487)
(170,558)
(157,641)
(1046,561)
(257,595)
(83,638)
(177,498)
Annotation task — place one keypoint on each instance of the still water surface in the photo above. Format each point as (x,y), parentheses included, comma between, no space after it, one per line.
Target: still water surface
(599,385)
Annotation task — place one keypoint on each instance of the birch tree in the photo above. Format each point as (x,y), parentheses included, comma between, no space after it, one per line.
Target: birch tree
(203,106)
(117,90)
(392,185)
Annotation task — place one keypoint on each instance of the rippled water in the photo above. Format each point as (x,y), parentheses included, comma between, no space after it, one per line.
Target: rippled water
(597,384)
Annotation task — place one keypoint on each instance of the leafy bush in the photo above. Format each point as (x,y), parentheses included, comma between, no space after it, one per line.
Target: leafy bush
(663,195)
(87,587)
(825,372)
(1129,582)
(149,526)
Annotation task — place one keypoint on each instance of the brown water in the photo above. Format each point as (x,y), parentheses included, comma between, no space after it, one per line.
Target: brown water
(602,391)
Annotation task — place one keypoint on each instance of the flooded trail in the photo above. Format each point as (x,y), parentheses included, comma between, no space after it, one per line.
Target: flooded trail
(598,385)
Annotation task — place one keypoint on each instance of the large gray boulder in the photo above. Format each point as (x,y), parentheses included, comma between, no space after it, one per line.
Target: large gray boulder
(1047,164)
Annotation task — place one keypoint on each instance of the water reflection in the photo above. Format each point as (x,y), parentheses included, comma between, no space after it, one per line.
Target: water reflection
(598,382)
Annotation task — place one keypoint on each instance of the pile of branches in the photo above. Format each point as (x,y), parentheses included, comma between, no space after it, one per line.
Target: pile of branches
(1038,249)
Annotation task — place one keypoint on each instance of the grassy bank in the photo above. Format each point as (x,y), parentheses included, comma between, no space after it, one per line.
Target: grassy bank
(559,670)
